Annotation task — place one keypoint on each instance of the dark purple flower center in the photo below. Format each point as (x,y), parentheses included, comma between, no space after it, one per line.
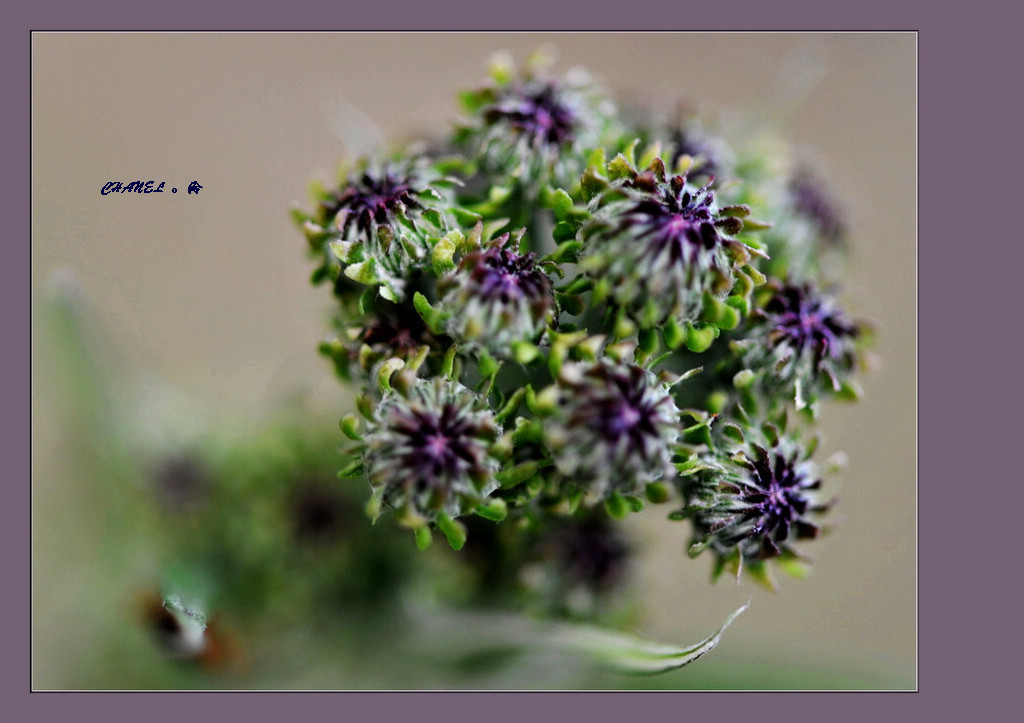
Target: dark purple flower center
(773,500)
(538,114)
(372,199)
(619,408)
(679,223)
(811,200)
(503,276)
(593,553)
(805,323)
(396,330)
(438,445)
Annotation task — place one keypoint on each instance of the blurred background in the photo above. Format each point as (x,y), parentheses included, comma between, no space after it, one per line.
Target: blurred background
(197,313)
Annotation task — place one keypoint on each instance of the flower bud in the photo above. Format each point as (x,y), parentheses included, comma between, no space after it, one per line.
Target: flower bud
(498,297)
(428,453)
(614,429)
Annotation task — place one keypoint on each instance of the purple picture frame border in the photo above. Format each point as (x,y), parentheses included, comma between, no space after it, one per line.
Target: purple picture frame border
(964,65)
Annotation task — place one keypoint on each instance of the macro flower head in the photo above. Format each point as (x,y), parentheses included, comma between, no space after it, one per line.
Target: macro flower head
(376,226)
(498,296)
(385,330)
(803,343)
(813,202)
(537,114)
(615,430)
(522,308)
(534,127)
(428,451)
(661,245)
(754,497)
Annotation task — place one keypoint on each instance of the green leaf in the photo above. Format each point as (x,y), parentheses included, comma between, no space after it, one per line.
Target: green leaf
(620,167)
(433,217)
(650,153)
(566,251)
(388,368)
(673,334)
(743,379)
(570,304)
(465,217)
(524,352)
(353,469)
(350,427)
(648,341)
(850,391)
(592,184)
(658,492)
(518,474)
(626,653)
(363,272)
(794,566)
(448,368)
(740,303)
(565,232)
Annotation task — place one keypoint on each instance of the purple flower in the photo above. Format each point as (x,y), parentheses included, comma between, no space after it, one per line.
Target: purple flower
(396,330)
(812,201)
(662,247)
(810,326)
(536,113)
(616,429)
(371,200)
(428,451)
(758,505)
(804,342)
(386,330)
(676,223)
(498,296)
(377,226)
(536,128)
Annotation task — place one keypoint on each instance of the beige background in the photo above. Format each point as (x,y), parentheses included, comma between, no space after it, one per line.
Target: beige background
(210,291)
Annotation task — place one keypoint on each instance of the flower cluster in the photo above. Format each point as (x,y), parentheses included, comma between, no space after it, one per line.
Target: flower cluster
(543,336)
(614,429)
(498,296)
(426,452)
(377,225)
(659,245)
(753,496)
(533,128)
(802,343)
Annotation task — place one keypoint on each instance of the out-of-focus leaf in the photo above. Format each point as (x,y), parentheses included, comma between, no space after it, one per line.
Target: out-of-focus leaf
(627,653)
